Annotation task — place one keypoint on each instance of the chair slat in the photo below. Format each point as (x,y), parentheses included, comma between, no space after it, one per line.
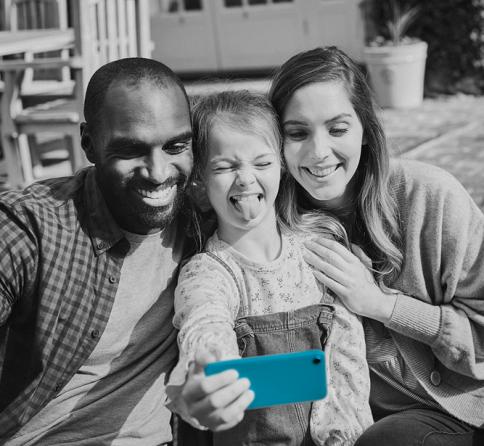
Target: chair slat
(122,29)
(112,30)
(105,30)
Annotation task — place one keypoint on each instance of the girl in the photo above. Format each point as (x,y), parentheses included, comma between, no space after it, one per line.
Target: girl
(251,293)
(424,236)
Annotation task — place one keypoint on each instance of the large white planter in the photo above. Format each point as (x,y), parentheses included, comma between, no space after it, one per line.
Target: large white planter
(397,73)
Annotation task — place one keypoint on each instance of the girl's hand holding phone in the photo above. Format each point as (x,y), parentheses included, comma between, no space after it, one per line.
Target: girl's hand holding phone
(218,401)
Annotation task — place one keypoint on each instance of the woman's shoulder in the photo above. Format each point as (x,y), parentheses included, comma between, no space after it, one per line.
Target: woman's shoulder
(421,188)
(411,177)
(418,172)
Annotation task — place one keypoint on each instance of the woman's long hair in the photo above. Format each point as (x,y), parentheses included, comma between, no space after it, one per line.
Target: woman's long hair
(374,224)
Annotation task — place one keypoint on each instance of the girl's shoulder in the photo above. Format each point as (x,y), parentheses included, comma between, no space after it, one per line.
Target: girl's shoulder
(213,247)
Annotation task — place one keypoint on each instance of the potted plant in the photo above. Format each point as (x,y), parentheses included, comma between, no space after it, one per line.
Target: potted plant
(397,64)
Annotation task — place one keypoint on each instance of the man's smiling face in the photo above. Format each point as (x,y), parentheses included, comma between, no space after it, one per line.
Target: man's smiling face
(142,151)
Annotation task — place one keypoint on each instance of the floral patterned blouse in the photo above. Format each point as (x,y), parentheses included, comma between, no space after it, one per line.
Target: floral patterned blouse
(208,300)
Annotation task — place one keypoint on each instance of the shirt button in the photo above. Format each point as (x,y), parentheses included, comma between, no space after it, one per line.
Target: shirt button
(112,279)
(57,387)
(94,334)
(100,245)
(435,378)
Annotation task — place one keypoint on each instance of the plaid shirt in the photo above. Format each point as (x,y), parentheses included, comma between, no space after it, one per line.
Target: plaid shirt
(60,263)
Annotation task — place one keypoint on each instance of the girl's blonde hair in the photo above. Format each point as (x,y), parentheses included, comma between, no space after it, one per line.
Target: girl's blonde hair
(252,113)
(375,223)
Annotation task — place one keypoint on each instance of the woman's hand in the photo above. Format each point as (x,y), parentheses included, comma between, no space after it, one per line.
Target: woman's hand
(349,276)
(217,401)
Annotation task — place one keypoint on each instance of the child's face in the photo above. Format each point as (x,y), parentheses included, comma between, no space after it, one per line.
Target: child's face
(241,177)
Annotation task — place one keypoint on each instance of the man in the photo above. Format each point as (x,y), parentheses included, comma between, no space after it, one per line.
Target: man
(88,267)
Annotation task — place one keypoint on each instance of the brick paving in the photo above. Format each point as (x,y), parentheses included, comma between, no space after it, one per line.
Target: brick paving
(447,132)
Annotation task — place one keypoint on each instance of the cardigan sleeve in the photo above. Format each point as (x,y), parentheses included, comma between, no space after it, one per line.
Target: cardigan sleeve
(443,273)
(206,305)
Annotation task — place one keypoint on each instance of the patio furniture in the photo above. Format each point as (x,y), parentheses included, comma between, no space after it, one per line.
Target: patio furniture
(41,14)
(103,31)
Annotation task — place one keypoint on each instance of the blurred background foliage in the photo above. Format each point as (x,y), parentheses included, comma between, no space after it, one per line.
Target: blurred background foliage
(454,31)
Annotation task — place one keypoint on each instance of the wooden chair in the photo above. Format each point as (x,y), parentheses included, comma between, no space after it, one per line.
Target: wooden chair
(45,84)
(41,14)
(105,30)
(61,116)
(108,30)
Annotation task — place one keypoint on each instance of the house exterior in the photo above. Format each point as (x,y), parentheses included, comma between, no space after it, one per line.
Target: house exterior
(196,36)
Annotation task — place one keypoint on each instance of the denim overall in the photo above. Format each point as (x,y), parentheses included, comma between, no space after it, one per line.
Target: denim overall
(298,330)
(293,331)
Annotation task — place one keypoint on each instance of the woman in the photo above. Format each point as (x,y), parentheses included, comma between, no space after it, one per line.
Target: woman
(414,229)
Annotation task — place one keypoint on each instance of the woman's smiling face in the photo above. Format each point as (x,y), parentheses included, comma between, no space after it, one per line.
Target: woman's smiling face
(322,142)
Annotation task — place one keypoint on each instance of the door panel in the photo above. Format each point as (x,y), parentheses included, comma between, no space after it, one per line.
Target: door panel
(182,32)
(218,35)
(257,33)
(334,22)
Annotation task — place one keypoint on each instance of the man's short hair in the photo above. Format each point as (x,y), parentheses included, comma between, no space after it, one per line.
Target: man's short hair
(131,72)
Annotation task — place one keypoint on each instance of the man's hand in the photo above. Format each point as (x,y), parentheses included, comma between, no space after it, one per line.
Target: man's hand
(218,401)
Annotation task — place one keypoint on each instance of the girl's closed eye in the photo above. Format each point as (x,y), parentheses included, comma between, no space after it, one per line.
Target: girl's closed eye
(266,160)
(220,168)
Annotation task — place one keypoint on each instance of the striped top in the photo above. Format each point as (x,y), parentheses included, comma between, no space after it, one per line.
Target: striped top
(393,385)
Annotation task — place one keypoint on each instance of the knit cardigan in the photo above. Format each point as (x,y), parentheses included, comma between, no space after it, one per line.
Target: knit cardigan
(438,320)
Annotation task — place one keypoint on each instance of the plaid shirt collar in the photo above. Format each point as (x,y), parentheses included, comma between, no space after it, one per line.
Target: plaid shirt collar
(104,232)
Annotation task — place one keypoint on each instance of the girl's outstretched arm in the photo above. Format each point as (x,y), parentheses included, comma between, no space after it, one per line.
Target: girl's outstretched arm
(206,305)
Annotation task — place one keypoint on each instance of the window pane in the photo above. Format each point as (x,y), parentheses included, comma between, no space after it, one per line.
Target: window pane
(257,2)
(192,5)
(168,5)
(231,3)
(282,1)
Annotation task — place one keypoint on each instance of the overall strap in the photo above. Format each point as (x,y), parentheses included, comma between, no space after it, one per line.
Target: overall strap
(230,271)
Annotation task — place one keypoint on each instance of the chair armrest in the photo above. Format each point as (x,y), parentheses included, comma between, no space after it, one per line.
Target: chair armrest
(51,62)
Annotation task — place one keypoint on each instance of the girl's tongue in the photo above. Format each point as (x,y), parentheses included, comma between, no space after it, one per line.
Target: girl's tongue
(249,205)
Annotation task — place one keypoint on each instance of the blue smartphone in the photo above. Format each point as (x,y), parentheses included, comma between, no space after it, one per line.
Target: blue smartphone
(280,379)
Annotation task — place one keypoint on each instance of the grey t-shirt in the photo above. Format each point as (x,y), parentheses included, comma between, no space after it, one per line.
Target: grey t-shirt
(117,396)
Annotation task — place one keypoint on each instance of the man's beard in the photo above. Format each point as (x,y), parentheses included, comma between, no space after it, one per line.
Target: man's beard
(156,218)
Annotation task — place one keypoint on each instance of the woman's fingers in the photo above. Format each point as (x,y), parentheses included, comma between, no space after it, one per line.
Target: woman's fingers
(332,267)
(317,252)
(358,252)
(332,284)
(322,244)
